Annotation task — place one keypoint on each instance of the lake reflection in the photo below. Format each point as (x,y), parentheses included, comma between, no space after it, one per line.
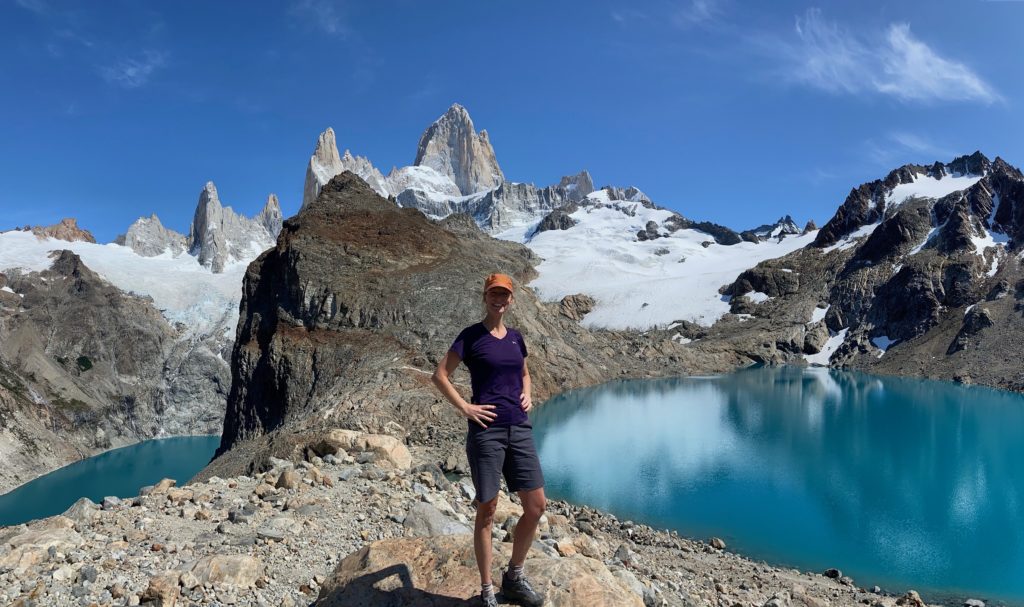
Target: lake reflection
(898,482)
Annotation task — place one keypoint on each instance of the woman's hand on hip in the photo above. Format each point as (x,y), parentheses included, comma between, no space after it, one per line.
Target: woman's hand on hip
(480,414)
(525,402)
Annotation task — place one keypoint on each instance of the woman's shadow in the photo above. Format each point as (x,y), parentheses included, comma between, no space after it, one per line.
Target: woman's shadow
(361,592)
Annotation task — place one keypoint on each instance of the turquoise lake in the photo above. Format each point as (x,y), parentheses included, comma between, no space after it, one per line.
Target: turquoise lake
(119,472)
(897,482)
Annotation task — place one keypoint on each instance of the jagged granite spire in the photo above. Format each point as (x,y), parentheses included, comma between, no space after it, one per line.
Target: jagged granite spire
(325,163)
(219,236)
(270,217)
(452,147)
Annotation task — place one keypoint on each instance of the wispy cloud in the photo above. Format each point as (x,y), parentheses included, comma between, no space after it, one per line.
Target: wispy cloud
(134,72)
(36,6)
(322,14)
(831,58)
(697,12)
(901,147)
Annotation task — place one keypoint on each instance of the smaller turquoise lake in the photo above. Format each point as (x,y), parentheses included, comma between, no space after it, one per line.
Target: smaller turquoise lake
(119,472)
(898,482)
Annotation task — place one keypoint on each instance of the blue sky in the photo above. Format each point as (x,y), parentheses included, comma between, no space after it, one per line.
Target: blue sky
(728,111)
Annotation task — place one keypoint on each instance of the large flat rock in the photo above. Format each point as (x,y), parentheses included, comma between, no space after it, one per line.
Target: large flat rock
(441,571)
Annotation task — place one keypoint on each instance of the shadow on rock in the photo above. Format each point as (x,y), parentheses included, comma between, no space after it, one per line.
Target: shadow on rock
(379,589)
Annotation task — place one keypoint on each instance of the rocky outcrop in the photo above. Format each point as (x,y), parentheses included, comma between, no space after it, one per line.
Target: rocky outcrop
(575,307)
(149,238)
(219,236)
(67,229)
(784,226)
(559,219)
(630,194)
(452,147)
(578,186)
(85,367)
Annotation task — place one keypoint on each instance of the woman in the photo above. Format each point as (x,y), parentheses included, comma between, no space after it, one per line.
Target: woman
(500,438)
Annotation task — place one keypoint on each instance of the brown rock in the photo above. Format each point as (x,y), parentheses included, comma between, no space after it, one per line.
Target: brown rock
(289,479)
(67,229)
(238,570)
(437,571)
(162,589)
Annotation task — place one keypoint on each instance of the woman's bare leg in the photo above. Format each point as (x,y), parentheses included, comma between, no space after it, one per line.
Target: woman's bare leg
(534,504)
(482,538)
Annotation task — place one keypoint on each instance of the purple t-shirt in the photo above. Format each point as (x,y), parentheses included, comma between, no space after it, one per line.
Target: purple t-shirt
(496,370)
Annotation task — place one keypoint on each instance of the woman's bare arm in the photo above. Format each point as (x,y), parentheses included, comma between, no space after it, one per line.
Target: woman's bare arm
(480,414)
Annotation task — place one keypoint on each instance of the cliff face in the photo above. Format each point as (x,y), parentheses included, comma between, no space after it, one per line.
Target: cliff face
(344,321)
(85,367)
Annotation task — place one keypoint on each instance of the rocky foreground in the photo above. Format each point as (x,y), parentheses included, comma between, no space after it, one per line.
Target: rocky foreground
(364,522)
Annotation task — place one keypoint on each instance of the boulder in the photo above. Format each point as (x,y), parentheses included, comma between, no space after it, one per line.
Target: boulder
(162,590)
(238,570)
(386,447)
(424,519)
(83,512)
(441,571)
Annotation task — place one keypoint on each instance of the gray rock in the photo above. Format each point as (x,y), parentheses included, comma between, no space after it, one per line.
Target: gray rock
(423,520)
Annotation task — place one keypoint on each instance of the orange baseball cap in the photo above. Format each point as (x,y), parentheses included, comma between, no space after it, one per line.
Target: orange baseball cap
(498,281)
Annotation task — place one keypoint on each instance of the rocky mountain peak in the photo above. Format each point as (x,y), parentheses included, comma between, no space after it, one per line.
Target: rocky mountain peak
(326,152)
(67,229)
(270,217)
(218,235)
(325,163)
(974,164)
(578,185)
(452,147)
(148,237)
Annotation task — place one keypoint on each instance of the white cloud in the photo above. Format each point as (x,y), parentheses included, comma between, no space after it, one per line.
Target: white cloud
(696,12)
(900,147)
(833,59)
(36,6)
(323,14)
(134,72)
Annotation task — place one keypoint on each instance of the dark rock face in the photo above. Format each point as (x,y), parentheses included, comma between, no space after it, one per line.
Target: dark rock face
(770,281)
(344,321)
(557,220)
(976,320)
(897,235)
(927,278)
(650,232)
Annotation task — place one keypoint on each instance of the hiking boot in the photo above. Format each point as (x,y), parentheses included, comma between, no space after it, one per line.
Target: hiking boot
(488,601)
(520,591)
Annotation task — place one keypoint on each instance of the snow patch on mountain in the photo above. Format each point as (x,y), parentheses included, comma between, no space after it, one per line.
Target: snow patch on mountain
(833,343)
(925,186)
(643,284)
(181,288)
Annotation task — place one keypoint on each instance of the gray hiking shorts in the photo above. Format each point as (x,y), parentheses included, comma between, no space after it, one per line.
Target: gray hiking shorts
(503,450)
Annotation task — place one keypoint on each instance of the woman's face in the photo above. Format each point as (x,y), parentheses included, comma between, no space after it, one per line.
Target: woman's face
(497,300)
